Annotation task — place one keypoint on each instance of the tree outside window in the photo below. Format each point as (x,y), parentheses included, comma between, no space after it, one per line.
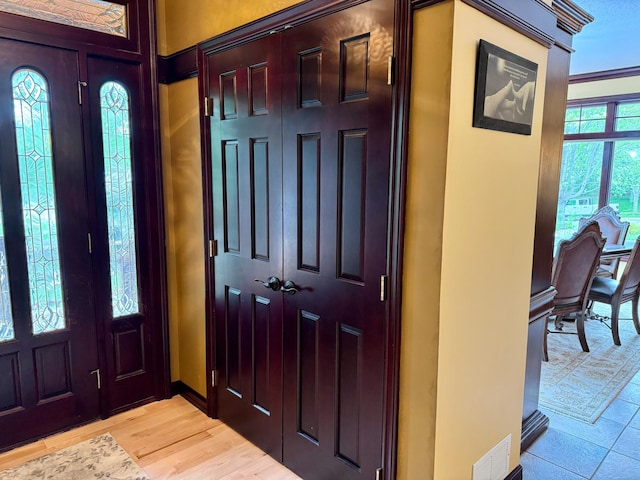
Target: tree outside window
(600,165)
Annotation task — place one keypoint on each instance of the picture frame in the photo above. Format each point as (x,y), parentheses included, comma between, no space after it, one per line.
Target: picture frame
(504,90)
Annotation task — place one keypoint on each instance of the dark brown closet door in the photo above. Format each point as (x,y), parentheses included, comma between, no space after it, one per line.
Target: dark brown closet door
(336,143)
(247,216)
(48,339)
(300,170)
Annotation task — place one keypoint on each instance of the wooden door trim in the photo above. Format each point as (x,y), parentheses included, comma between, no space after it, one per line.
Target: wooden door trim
(403,40)
(178,66)
(208,237)
(296,15)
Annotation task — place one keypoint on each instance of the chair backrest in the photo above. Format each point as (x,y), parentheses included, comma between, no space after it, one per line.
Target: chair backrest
(574,266)
(612,228)
(630,279)
(614,231)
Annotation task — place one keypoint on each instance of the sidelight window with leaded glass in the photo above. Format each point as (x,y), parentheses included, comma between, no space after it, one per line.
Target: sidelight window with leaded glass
(118,173)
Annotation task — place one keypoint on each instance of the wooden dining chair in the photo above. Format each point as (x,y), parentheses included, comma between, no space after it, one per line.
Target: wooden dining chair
(616,292)
(574,267)
(614,231)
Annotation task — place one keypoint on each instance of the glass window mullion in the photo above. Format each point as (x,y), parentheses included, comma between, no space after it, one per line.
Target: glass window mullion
(605,179)
(611,117)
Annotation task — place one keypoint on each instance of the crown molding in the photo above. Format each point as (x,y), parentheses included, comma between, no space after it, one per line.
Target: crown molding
(571,18)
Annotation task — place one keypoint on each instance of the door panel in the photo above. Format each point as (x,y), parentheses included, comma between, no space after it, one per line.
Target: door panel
(334,327)
(47,382)
(247,179)
(125,303)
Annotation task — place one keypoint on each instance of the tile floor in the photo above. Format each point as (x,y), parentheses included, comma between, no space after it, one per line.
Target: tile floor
(573,450)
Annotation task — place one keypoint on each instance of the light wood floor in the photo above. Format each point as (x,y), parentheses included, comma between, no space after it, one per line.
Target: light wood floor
(169,439)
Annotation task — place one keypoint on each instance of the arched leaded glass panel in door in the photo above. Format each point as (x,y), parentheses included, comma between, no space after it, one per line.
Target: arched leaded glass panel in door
(118,177)
(35,163)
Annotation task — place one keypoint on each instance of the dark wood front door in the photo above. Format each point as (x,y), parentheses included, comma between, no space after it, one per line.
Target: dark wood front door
(300,171)
(48,335)
(80,306)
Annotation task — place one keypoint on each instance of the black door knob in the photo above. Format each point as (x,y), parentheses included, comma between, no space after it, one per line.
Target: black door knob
(273,283)
(289,287)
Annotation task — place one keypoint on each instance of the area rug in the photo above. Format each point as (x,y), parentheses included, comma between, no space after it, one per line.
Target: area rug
(581,385)
(98,458)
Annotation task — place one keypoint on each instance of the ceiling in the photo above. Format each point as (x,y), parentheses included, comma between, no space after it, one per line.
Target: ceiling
(611,41)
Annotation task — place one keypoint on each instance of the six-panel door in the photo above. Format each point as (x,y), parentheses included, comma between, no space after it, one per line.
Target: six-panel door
(247,206)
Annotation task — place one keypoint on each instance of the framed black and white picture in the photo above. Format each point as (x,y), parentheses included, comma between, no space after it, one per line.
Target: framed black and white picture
(505,90)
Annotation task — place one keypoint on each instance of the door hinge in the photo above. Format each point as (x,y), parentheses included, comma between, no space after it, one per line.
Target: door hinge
(90,244)
(214,378)
(390,63)
(96,372)
(213,248)
(80,85)
(383,288)
(379,474)
(208,107)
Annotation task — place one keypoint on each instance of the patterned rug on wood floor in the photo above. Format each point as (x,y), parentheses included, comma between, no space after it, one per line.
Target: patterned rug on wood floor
(98,458)
(581,385)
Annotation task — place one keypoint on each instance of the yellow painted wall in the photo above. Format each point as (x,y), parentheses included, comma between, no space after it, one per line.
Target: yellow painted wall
(188,232)
(190,22)
(601,88)
(161,27)
(170,239)
(426,177)
(487,204)
(182,24)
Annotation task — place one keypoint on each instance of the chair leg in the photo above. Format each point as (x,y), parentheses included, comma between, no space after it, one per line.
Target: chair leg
(615,313)
(634,313)
(589,311)
(581,335)
(545,353)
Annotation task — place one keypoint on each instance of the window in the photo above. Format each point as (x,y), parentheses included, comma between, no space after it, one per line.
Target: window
(624,192)
(585,119)
(35,162)
(105,17)
(600,165)
(580,178)
(116,142)
(628,117)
